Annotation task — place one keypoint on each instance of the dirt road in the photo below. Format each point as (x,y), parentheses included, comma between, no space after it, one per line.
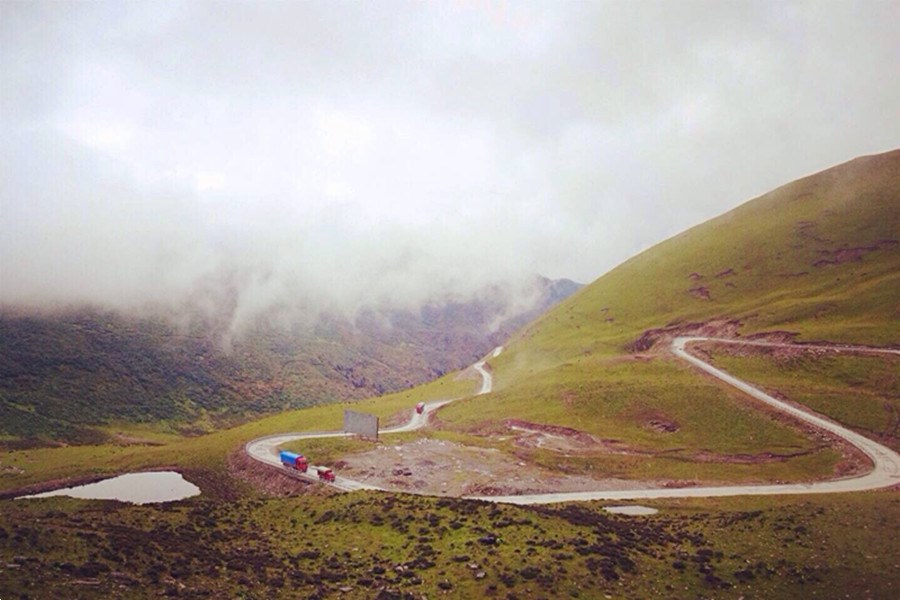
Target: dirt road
(886,471)
(265,449)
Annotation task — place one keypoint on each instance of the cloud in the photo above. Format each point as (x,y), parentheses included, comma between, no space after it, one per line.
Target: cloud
(313,156)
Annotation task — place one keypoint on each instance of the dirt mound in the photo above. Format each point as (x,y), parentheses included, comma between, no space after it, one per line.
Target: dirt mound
(843,255)
(661,425)
(700,292)
(573,436)
(653,337)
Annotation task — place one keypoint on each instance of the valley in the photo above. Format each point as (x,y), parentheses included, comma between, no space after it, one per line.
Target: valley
(607,292)
(600,400)
(82,375)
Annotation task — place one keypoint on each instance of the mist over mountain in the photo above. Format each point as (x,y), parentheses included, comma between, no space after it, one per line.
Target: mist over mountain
(65,372)
(284,179)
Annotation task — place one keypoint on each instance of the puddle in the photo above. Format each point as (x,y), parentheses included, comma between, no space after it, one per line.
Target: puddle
(631,510)
(137,488)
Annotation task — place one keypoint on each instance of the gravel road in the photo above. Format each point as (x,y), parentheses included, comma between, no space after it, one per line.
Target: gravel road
(886,471)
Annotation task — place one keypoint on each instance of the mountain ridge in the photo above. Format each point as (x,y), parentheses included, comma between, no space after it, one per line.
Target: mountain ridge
(64,372)
(819,256)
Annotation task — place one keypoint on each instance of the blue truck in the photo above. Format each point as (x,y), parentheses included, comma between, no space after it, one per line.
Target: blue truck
(292,460)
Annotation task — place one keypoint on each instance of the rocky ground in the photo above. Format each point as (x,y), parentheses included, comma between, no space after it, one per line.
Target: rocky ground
(446,468)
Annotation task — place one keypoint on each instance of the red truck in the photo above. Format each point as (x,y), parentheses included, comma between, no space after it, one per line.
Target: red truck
(325,474)
(420,407)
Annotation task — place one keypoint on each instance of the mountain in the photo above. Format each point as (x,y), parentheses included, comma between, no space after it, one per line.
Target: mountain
(819,257)
(588,388)
(63,373)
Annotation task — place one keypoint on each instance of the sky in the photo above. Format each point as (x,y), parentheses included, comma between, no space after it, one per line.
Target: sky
(329,155)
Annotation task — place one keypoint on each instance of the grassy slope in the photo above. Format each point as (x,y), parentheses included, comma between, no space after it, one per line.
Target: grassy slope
(772,244)
(860,391)
(376,545)
(818,257)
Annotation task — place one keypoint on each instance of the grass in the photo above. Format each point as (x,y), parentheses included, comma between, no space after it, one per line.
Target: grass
(810,467)
(616,400)
(862,392)
(206,452)
(761,264)
(361,545)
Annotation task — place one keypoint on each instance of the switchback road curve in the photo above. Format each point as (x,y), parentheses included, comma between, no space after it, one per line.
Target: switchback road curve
(265,449)
(886,471)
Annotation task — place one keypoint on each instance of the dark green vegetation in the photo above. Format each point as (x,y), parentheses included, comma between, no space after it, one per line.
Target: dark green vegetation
(385,546)
(64,374)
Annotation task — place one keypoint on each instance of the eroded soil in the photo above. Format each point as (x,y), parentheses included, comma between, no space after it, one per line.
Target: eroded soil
(450,469)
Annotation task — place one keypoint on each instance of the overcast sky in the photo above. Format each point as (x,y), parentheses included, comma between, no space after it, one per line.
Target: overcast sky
(335,153)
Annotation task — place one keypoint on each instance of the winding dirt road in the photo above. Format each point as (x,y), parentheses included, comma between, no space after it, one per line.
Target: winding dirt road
(886,471)
(265,449)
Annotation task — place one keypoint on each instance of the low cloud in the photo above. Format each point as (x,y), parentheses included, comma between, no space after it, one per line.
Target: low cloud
(304,157)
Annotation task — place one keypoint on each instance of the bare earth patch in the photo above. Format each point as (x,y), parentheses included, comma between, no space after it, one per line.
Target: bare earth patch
(450,469)
(554,438)
(573,442)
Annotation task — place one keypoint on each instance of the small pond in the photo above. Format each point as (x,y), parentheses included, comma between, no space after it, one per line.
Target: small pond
(634,509)
(137,488)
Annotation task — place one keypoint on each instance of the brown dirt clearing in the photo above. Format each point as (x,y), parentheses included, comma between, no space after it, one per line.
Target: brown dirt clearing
(450,469)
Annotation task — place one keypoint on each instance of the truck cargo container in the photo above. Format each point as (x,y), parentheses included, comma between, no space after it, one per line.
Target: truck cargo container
(292,460)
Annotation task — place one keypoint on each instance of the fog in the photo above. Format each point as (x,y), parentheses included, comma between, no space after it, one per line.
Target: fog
(330,155)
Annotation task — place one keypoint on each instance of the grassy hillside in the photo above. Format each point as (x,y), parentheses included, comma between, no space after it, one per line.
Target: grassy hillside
(860,391)
(66,375)
(819,257)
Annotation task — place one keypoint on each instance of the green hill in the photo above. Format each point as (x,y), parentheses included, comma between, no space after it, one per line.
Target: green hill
(818,257)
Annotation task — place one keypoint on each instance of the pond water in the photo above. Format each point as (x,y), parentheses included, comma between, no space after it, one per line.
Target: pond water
(137,488)
(634,509)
